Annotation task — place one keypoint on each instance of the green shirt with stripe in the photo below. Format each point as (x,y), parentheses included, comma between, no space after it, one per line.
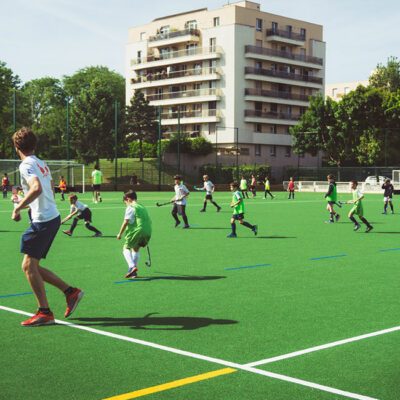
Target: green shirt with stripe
(97,177)
(239,208)
(333,195)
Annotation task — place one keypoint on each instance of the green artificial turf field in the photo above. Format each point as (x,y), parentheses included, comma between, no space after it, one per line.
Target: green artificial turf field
(209,303)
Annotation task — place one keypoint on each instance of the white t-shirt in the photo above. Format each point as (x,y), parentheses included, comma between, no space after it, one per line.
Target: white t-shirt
(130,215)
(44,207)
(180,191)
(78,206)
(208,187)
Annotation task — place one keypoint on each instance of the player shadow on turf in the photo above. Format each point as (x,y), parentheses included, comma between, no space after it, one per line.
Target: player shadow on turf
(91,237)
(179,278)
(199,227)
(398,233)
(267,237)
(156,323)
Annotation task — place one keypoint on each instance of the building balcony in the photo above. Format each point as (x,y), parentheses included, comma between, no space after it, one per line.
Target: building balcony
(279,97)
(289,37)
(176,57)
(190,117)
(188,96)
(170,38)
(270,75)
(271,117)
(175,77)
(262,53)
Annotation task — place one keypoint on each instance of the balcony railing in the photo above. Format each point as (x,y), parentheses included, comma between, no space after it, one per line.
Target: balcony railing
(195,51)
(174,34)
(178,95)
(283,75)
(271,115)
(158,76)
(284,54)
(275,94)
(190,114)
(286,34)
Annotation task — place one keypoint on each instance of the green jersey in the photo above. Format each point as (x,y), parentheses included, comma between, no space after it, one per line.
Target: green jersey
(267,185)
(243,184)
(239,208)
(139,230)
(332,193)
(357,207)
(97,177)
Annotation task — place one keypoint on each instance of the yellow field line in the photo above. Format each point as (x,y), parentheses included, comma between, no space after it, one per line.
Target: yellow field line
(172,385)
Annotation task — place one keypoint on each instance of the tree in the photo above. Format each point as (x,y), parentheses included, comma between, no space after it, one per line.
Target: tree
(8,84)
(140,121)
(93,92)
(387,76)
(318,130)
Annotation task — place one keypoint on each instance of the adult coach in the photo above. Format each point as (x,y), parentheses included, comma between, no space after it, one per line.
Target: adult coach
(97,180)
(36,241)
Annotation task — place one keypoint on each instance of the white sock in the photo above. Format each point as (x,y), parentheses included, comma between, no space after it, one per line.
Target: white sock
(135,258)
(128,257)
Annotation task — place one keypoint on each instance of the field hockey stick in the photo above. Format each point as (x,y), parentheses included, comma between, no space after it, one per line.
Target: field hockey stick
(198,189)
(163,204)
(148,262)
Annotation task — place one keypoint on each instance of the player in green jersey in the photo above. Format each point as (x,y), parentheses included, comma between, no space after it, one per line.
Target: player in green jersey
(97,180)
(238,211)
(357,208)
(137,225)
(331,197)
(243,187)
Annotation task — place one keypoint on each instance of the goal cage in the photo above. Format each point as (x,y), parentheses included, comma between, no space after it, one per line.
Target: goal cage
(73,173)
(396,178)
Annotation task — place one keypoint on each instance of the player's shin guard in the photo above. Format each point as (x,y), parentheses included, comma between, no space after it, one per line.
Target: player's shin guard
(233,226)
(332,214)
(365,222)
(215,204)
(247,225)
(352,219)
(205,205)
(385,207)
(391,206)
(74,224)
(91,228)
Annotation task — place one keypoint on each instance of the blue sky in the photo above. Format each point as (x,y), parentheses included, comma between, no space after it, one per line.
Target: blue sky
(57,37)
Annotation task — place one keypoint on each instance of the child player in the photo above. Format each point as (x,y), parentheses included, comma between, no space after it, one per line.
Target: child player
(358,208)
(179,200)
(62,186)
(238,211)
(331,197)
(137,225)
(253,186)
(97,180)
(243,187)
(209,189)
(5,183)
(388,195)
(267,189)
(79,211)
(290,188)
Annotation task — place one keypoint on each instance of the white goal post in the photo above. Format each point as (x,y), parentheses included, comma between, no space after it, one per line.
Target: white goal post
(396,178)
(73,172)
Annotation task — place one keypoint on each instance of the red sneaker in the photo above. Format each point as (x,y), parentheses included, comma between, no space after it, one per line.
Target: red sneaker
(39,319)
(73,300)
(132,273)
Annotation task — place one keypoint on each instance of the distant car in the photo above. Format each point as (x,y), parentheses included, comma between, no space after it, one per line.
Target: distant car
(372,180)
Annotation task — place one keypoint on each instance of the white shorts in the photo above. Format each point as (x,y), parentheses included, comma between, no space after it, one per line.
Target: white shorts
(385,199)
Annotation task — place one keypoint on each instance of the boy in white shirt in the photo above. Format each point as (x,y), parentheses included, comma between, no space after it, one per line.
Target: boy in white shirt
(45,222)
(80,211)
(209,189)
(179,200)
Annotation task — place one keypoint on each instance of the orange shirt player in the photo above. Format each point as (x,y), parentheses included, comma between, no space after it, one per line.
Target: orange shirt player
(62,186)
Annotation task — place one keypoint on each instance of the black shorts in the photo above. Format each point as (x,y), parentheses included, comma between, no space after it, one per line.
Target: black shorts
(238,217)
(331,203)
(86,215)
(38,238)
(96,187)
(208,196)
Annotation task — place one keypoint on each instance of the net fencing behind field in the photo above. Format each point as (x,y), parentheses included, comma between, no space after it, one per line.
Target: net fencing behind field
(342,187)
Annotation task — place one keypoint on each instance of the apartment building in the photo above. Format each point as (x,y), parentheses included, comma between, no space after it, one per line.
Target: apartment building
(238,76)
(337,90)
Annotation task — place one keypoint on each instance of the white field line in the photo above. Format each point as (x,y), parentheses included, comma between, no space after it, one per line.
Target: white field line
(203,357)
(322,347)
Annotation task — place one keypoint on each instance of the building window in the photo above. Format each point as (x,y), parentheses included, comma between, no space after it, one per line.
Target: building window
(303,33)
(212,128)
(272,151)
(257,127)
(139,57)
(216,21)
(213,44)
(257,149)
(334,92)
(274,26)
(244,151)
(288,151)
(258,24)
(258,65)
(191,24)
(273,129)
(164,30)
(258,43)
(289,29)
(142,35)
(346,90)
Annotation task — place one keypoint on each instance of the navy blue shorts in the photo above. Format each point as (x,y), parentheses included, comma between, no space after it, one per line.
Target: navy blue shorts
(238,217)
(38,238)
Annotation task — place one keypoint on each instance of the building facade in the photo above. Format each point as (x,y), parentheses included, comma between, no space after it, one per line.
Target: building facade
(337,90)
(236,75)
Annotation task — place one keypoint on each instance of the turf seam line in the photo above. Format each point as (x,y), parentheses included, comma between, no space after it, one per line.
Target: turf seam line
(323,347)
(247,266)
(203,357)
(172,385)
(15,295)
(327,257)
(395,249)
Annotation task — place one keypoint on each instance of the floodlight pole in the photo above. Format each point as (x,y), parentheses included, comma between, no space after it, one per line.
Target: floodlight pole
(116,146)
(236,129)
(68,140)
(179,139)
(14,119)
(159,148)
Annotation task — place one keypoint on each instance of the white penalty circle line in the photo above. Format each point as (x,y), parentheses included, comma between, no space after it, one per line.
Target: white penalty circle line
(243,367)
